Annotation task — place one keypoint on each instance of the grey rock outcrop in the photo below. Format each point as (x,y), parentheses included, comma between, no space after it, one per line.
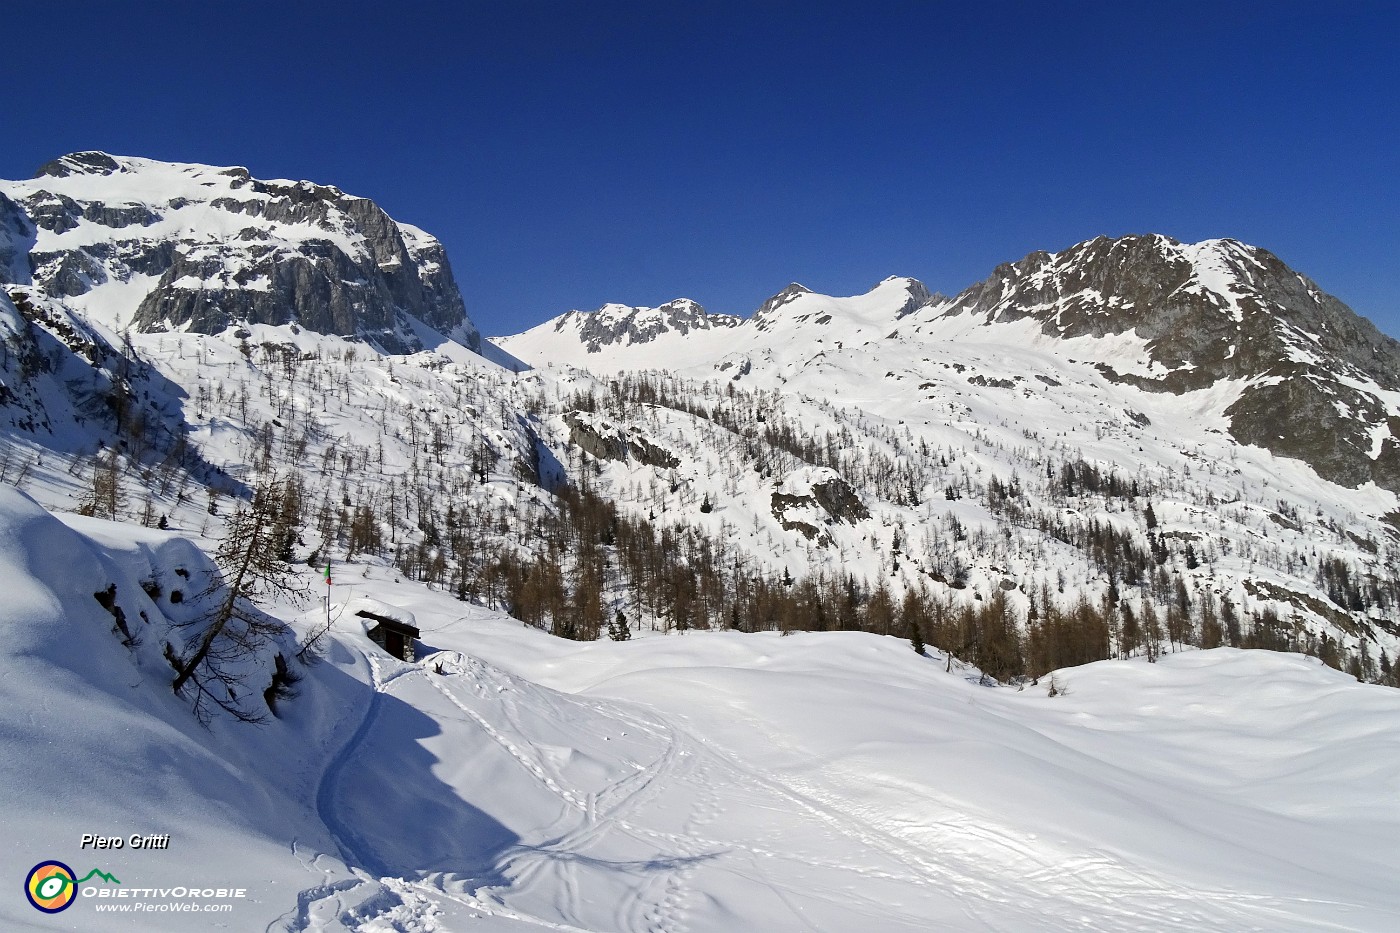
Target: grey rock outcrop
(302,252)
(1298,418)
(603,440)
(919,296)
(80,163)
(620,325)
(16,242)
(833,496)
(840,501)
(1214,311)
(763,317)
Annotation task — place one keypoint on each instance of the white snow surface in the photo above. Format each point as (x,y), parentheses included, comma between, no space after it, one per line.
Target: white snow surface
(707,782)
(711,781)
(1213,273)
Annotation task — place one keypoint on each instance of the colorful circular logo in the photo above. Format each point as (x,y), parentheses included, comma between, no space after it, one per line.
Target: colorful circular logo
(50,886)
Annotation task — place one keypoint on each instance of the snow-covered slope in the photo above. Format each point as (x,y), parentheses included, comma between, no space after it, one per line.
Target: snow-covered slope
(96,743)
(715,782)
(1027,476)
(1258,417)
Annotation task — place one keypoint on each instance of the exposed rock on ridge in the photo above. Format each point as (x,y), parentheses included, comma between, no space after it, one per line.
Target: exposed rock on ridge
(1220,310)
(826,498)
(621,325)
(224,248)
(1190,302)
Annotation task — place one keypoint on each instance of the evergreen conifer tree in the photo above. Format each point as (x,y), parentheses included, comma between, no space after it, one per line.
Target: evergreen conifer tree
(250,566)
(618,630)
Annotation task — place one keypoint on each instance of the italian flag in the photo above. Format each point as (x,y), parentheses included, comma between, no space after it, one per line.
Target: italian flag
(328,573)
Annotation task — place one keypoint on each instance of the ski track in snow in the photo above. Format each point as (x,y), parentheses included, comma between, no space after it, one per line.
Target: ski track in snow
(991,873)
(553,864)
(354,851)
(544,866)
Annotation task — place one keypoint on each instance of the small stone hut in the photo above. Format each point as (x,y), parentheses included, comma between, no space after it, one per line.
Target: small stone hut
(395,637)
(391,629)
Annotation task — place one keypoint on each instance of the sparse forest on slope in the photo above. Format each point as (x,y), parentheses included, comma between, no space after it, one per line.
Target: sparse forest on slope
(955,472)
(1009,459)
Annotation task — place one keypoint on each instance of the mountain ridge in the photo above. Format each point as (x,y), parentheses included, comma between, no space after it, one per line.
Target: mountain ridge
(1073,550)
(887,461)
(1207,313)
(169,246)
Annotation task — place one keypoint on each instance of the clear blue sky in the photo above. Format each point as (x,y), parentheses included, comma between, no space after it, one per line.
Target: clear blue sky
(570,154)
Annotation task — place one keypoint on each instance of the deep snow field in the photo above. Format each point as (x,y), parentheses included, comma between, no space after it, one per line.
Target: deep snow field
(513,781)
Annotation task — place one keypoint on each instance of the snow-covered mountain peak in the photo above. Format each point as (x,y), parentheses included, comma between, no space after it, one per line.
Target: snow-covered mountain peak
(182,246)
(106,179)
(793,291)
(81,163)
(1312,380)
(797,308)
(916,294)
(1219,307)
(680,333)
(615,328)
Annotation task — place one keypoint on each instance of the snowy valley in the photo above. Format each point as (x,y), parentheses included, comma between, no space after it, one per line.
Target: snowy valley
(666,568)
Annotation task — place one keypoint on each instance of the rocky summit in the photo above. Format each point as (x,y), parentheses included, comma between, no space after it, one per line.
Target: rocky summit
(1314,373)
(621,325)
(161,246)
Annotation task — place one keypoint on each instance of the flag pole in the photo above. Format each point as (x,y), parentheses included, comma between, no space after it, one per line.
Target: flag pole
(328,594)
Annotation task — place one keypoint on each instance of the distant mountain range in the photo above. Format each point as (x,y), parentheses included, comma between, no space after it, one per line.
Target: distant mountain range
(1315,381)
(1193,440)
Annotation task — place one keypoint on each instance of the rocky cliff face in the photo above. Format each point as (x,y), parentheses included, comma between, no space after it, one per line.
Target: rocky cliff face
(1314,371)
(1211,310)
(808,500)
(16,242)
(203,248)
(603,440)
